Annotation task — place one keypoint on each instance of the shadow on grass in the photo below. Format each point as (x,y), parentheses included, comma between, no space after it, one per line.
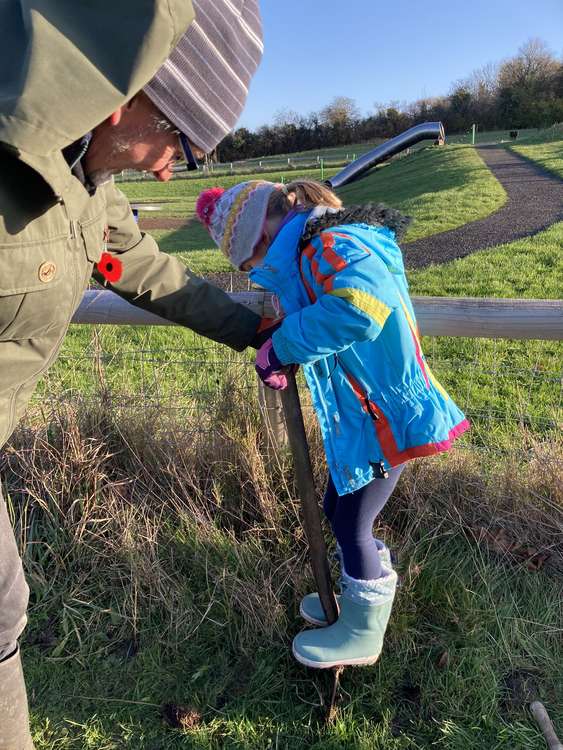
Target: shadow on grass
(191,236)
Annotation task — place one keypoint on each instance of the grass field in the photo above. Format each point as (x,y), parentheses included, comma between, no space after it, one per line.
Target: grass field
(545,148)
(353,150)
(166,564)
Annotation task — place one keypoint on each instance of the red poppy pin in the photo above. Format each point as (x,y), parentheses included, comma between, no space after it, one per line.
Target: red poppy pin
(110,267)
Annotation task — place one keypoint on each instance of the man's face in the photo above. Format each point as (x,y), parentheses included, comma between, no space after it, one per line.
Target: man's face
(138,136)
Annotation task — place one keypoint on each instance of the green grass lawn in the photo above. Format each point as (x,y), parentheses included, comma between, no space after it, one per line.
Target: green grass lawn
(501,383)
(166,565)
(440,187)
(545,148)
(157,361)
(457,174)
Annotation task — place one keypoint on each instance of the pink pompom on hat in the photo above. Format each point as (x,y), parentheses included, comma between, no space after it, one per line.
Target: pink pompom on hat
(235,217)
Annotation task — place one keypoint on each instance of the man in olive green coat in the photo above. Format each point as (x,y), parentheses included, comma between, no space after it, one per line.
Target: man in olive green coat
(86,92)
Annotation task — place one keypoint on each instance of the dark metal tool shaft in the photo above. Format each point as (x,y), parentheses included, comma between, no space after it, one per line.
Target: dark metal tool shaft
(305,484)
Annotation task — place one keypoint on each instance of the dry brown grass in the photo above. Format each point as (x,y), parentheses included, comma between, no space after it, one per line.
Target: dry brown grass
(117,507)
(468,492)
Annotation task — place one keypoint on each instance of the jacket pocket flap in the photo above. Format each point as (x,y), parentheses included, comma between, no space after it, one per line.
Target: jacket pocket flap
(31,267)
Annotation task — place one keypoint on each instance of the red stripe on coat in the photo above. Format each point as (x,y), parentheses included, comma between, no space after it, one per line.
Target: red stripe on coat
(391,452)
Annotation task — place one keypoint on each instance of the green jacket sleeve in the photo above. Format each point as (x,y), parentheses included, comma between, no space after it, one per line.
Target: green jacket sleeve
(163,285)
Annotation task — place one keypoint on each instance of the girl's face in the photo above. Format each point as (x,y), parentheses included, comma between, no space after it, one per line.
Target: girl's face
(260,250)
(261,247)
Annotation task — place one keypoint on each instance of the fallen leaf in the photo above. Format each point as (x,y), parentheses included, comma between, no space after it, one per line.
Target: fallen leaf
(181,717)
(499,541)
(443,660)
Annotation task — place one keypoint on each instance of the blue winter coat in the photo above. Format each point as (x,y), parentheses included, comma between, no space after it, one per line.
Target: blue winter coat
(350,322)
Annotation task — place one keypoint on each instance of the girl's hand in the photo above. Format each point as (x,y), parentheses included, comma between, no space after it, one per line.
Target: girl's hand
(269,368)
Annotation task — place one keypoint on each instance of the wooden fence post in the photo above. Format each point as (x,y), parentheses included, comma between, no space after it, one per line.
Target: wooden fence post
(271,409)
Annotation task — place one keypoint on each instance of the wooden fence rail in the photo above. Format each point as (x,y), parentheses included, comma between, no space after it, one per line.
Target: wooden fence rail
(475,317)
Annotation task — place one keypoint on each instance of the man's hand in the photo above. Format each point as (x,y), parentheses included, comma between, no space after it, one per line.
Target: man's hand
(269,368)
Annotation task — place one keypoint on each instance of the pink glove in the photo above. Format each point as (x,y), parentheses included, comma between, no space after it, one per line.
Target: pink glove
(269,368)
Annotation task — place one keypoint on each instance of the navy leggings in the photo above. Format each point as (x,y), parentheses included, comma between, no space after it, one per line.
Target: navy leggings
(351,518)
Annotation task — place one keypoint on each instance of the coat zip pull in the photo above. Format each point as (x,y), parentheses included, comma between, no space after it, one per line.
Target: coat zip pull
(379,469)
(371,410)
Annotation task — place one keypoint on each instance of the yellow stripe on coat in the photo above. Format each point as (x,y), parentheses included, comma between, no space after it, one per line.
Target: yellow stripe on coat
(414,329)
(365,302)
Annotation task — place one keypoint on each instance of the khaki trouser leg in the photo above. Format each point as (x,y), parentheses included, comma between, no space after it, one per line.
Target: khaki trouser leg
(14,592)
(14,718)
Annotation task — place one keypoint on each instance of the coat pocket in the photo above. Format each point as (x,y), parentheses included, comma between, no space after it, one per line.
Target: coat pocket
(32,267)
(32,278)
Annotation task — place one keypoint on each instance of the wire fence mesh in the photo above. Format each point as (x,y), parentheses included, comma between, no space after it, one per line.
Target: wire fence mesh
(512,391)
(163,401)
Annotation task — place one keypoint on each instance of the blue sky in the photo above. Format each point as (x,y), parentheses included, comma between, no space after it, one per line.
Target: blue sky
(380,52)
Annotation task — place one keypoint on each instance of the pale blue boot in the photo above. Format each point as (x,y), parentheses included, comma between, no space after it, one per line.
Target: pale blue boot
(311,608)
(356,638)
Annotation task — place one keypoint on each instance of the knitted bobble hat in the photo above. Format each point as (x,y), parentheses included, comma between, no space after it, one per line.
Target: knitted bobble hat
(203,85)
(235,217)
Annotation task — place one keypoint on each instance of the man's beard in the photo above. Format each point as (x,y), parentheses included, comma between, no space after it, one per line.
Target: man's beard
(99,176)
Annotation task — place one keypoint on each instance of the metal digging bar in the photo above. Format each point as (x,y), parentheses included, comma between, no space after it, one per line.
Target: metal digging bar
(305,484)
(358,168)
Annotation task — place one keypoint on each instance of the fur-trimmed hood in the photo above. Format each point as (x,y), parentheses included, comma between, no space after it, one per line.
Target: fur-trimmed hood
(373,214)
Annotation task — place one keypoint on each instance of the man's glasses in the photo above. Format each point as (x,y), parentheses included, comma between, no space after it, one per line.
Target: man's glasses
(185,148)
(191,161)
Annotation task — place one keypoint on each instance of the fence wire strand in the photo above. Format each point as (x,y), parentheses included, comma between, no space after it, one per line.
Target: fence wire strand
(510,391)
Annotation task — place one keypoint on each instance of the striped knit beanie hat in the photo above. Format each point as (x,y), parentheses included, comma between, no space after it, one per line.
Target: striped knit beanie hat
(235,217)
(203,85)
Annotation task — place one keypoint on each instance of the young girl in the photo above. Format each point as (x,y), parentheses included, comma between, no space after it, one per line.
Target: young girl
(347,319)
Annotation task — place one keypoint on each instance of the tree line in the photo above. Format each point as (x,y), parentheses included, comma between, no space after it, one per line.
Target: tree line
(525,91)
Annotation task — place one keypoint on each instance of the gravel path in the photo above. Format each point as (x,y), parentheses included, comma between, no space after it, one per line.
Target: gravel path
(535,201)
(166,222)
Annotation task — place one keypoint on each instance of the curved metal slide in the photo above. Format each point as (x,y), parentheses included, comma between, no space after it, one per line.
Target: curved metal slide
(359,167)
